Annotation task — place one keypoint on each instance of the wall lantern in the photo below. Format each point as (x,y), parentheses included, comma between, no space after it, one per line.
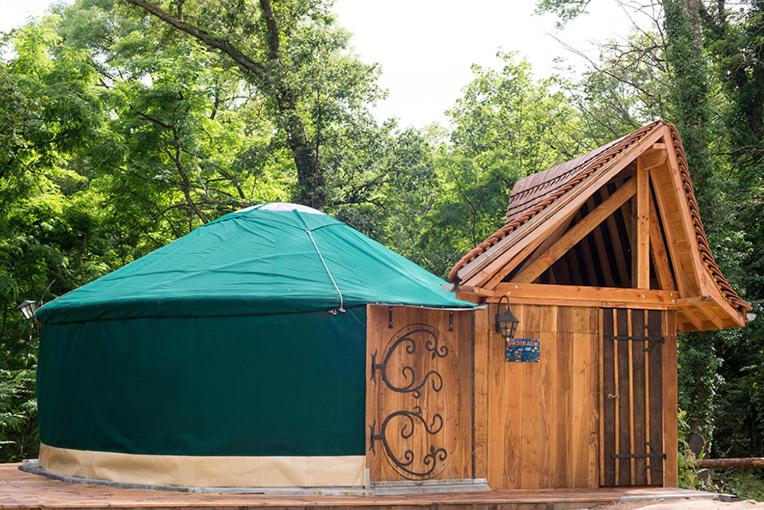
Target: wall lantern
(506,322)
(28,309)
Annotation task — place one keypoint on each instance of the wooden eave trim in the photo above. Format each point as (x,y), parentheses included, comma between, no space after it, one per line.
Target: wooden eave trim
(684,207)
(705,280)
(478,270)
(574,295)
(529,253)
(737,317)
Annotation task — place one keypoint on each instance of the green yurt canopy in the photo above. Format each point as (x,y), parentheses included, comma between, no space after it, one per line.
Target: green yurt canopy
(271,258)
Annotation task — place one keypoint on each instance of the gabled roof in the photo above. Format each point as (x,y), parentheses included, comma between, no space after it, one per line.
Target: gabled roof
(537,197)
(534,193)
(536,189)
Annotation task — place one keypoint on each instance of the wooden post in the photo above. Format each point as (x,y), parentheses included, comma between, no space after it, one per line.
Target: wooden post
(643,228)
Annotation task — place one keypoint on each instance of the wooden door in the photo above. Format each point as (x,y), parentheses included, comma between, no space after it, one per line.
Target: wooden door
(419,394)
(633,397)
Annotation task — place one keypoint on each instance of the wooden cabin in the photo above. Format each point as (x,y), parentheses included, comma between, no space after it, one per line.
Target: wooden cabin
(604,259)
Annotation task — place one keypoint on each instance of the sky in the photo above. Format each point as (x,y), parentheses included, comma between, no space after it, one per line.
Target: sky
(425,47)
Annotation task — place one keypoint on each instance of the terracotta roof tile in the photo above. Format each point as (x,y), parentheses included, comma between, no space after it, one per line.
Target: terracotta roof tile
(534,193)
(700,233)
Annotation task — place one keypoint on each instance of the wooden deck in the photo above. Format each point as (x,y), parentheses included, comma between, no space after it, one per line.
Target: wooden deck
(25,490)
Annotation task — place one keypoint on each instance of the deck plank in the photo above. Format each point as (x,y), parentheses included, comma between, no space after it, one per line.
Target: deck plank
(25,490)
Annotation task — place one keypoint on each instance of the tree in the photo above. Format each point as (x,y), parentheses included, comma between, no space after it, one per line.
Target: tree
(51,235)
(266,63)
(506,125)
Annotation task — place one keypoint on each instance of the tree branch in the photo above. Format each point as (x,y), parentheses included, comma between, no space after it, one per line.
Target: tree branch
(223,45)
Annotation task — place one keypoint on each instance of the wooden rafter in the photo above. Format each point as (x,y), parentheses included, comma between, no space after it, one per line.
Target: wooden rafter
(599,244)
(574,266)
(586,254)
(658,250)
(616,245)
(529,253)
(478,271)
(642,244)
(576,233)
(562,271)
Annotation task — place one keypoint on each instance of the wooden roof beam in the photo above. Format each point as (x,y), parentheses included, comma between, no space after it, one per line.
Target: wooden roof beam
(658,250)
(642,244)
(577,232)
(529,253)
(483,267)
(616,245)
(574,295)
(599,244)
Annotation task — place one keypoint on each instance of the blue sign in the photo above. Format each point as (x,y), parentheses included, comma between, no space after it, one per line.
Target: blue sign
(527,350)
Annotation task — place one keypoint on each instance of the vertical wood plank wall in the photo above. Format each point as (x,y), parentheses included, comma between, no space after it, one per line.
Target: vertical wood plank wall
(670,402)
(542,417)
(541,426)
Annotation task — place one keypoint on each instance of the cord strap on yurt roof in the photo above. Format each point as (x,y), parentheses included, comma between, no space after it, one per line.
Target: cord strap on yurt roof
(328,272)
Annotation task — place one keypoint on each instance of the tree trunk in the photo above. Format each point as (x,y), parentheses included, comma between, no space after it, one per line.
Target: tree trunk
(310,177)
(690,85)
(690,91)
(744,463)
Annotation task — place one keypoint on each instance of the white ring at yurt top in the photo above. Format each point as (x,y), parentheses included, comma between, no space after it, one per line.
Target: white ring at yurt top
(282,207)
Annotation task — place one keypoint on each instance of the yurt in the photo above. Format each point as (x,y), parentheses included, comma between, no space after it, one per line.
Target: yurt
(245,354)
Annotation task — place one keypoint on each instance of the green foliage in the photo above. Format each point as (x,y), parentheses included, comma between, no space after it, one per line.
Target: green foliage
(119,133)
(566,10)
(745,484)
(506,125)
(689,477)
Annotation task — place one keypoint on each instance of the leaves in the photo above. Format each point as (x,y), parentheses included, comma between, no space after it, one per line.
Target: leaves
(120,133)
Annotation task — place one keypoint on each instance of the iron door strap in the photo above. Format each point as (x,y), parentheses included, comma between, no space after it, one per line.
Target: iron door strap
(638,456)
(636,338)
